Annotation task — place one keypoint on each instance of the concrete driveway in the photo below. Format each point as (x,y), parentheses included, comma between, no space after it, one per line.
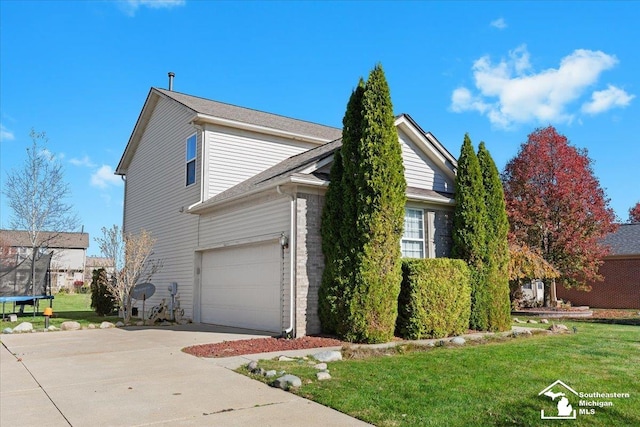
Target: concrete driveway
(133,377)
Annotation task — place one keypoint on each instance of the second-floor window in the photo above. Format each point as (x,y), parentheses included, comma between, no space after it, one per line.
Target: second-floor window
(191,159)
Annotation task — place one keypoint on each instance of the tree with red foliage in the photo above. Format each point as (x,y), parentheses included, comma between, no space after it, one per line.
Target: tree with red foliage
(556,205)
(634,213)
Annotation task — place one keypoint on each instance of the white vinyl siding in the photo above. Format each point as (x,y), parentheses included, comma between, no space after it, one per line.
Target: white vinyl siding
(155,199)
(413,237)
(235,155)
(419,170)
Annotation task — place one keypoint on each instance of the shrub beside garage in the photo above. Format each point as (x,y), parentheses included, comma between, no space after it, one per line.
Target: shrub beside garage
(435,298)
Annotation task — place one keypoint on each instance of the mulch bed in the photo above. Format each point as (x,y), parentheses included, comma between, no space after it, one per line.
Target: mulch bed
(260,345)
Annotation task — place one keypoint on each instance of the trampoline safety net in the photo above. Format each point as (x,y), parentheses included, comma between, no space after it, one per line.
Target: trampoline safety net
(15,276)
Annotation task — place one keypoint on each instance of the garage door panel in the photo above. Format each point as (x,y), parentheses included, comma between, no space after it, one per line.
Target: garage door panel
(241,287)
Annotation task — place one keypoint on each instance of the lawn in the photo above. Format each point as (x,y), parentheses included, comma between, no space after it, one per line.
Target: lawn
(495,383)
(75,307)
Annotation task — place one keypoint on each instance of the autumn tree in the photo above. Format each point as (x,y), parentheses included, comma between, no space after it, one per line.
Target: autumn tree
(634,213)
(373,195)
(525,265)
(131,255)
(469,233)
(38,198)
(557,207)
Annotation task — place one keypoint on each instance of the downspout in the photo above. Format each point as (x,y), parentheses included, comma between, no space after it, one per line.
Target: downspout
(124,200)
(292,254)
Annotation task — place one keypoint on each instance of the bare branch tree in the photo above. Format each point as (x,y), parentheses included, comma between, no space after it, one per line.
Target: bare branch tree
(132,264)
(37,195)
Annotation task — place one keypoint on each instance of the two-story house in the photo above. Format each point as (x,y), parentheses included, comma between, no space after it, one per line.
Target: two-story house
(234,197)
(69,252)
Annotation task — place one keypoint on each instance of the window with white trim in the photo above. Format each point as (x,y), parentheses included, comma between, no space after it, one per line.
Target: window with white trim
(412,243)
(191,160)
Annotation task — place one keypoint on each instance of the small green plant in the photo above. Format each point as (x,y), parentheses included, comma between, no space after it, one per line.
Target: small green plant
(101,300)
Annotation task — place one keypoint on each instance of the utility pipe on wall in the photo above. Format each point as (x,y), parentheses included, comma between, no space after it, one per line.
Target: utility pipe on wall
(292,254)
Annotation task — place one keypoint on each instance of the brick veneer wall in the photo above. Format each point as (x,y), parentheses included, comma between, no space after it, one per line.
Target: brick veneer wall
(309,263)
(620,288)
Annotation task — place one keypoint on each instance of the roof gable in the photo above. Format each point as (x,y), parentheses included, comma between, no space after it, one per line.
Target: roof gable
(209,111)
(305,168)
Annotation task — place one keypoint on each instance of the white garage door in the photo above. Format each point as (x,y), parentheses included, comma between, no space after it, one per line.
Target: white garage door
(241,287)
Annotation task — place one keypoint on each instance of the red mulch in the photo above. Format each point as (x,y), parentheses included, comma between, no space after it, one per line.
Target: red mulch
(259,345)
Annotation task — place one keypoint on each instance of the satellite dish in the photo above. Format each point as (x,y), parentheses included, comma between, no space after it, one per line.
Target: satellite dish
(143,291)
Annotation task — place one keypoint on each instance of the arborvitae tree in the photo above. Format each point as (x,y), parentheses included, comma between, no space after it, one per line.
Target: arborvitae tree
(363,273)
(101,300)
(497,256)
(338,217)
(380,199)
(469,234)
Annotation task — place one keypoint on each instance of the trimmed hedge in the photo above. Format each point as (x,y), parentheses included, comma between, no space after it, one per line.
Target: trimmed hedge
(435,298)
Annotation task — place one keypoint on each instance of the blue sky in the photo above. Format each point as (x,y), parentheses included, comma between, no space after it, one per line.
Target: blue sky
(498,70)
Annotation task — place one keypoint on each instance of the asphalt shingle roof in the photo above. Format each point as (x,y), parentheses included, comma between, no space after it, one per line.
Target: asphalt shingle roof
(20,239)
(254,117)
(625,241)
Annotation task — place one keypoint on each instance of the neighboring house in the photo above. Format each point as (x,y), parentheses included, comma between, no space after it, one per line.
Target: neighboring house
(234,198)
(621,272)
(94,263)
(69,254)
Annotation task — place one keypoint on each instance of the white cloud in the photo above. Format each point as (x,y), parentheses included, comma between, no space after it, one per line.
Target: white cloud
(6,134)
(511,92)
(130,7)
(104,177)
(85,161)
(499,23)
(607,99)
(52,157)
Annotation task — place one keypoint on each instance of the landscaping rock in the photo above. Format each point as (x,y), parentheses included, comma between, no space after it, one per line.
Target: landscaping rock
(324,375)
(285,359)
(70,325)
(287,381)
(23,327)
(270,374)
(52,328)
(321,366)
(533,321)
(119,324)
(252,366)
(544,321)
(560,328)
(107,325)
(91,326)
(458,341)
(7,331)
(515,319)
(328,356)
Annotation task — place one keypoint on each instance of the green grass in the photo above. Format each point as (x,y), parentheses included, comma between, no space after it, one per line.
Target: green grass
(491,384)
(75,307)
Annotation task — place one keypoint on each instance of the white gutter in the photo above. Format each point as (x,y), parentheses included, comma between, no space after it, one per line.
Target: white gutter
(292,254)
(261,129)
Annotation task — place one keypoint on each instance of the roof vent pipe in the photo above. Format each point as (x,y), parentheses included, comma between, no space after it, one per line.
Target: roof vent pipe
(171,76)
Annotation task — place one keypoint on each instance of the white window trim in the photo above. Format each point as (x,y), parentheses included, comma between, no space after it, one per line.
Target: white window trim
(424,232)
(187,160)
